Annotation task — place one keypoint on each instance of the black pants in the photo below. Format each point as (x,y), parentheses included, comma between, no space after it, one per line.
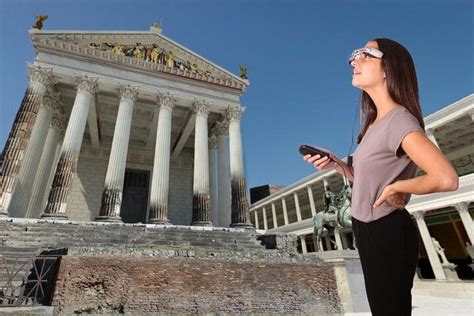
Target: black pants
(388,250)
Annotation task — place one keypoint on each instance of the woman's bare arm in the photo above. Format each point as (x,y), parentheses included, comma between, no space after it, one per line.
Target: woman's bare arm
(440,175)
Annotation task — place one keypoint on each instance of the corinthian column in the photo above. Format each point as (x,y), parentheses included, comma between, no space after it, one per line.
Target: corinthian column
(161,165)
(466,219)
(49,155)
(19,135)
(67,164)
(429,247)
(214,198)
(29,167)
(224,191)
(201,167)
(113,188)
(240,203)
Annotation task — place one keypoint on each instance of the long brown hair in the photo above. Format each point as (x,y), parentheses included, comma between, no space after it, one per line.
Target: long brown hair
(401,83)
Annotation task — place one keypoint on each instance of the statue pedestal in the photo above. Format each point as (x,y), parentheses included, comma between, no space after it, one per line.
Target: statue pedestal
(450,271)
(349,278)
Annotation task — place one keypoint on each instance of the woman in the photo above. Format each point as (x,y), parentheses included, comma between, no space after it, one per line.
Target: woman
(392,144)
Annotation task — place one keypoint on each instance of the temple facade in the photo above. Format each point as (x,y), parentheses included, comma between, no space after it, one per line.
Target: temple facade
(126,126)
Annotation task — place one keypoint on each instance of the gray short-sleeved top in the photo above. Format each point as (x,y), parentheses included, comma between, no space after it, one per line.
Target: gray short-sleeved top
(376,163)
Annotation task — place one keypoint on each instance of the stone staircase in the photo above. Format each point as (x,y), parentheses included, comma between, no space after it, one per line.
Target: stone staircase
(83,238)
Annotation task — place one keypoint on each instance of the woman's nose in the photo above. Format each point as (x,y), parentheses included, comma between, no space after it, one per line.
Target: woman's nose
(354,63)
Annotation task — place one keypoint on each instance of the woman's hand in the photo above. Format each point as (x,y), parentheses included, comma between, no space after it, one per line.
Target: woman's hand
(392,196)
(320,163)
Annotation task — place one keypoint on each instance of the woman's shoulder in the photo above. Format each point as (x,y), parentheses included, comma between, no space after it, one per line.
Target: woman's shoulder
(401,113)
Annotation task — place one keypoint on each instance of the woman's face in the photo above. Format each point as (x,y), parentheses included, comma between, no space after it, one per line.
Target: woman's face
(367,71)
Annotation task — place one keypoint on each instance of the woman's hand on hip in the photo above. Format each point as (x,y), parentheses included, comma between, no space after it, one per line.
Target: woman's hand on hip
(391,196)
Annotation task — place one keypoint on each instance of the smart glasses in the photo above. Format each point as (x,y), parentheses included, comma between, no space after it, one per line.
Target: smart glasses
(364,52)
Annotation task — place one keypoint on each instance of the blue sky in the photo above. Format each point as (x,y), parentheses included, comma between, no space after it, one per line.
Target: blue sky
(295,52)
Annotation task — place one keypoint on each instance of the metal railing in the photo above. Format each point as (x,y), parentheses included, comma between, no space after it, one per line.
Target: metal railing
(25,278)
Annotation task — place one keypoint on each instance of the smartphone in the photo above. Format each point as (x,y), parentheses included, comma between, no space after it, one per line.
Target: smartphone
(310,150)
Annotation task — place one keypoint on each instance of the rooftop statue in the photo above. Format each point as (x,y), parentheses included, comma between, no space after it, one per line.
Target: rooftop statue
(243,72)
(39,21)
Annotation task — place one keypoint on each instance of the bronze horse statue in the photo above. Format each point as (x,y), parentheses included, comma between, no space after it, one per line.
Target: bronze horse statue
(336,215)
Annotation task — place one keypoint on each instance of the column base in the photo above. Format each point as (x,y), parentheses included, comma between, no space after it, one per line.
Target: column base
(3,214)
(158,221)
(243,225)
(61,217)
(108,219)
(202,223)
(450,271)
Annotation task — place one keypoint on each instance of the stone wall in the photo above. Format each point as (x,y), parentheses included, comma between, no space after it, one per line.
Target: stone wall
(86,192)
(182,285)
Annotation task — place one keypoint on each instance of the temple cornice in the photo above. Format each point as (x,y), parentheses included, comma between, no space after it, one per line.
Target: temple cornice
(65,48)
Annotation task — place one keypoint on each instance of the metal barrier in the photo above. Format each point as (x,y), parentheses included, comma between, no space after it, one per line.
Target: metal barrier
(24,278)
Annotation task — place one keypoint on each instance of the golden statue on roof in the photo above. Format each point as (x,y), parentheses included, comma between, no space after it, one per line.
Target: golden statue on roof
(39,19)
(243,72)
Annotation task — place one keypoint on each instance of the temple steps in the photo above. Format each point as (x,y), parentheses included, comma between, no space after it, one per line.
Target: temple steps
(136,239)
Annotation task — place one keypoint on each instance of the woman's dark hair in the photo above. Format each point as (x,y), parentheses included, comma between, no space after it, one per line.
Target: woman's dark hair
(401,83)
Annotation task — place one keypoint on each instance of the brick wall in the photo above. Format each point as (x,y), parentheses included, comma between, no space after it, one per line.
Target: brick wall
(182,285)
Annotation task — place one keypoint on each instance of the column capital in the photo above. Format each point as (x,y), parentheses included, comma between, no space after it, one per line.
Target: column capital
(126,91)
(166,99)
(40,74)
(461,207)
(212,142)
(234,112)
(52,100)
(430,131)
(470,112)
(419,215)
(201,107)
(86,83)
(221,128)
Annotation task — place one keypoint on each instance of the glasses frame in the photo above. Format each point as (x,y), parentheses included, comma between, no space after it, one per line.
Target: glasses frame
(371,51)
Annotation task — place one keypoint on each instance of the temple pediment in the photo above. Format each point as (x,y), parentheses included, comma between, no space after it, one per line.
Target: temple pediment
(150,51)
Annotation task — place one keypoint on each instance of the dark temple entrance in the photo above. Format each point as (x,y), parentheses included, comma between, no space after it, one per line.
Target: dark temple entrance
(135,196)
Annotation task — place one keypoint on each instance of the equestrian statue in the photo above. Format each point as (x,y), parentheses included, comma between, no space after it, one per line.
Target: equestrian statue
(337,213)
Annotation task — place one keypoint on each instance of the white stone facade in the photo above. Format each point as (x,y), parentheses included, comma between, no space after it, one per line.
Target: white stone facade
(114,128)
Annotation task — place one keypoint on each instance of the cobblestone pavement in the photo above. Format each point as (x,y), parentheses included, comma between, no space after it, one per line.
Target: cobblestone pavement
(436,306)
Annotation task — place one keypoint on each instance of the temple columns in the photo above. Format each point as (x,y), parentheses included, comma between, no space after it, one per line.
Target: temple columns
(224,194)
(214,199)
(67,164)
(18,138)
(161,165)
(240,203)
(466,219)
(304,249)
(275,223)
(430,135)
(48,158)
(29,167)
(115,176)
(430,250)
(311,201)
(200,215)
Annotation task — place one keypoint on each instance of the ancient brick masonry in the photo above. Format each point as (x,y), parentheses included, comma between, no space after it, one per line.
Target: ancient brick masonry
(116,267)
(189,285)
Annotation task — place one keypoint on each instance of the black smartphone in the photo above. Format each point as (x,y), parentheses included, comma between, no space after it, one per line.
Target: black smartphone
(310,150)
